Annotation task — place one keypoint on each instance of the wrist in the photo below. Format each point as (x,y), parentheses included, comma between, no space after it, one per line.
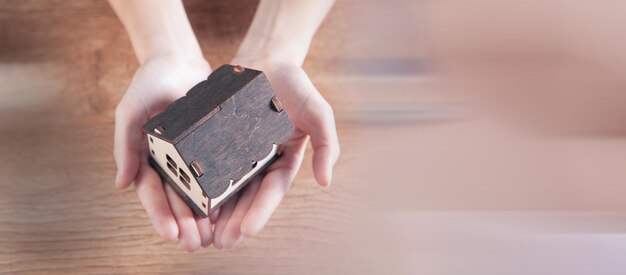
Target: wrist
(175,60)
(260,48)
(158,28)
(178,46)
(273,53)
(156,48)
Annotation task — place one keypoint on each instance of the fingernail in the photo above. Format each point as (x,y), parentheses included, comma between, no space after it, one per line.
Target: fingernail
(207,242)
(330,176)
(217,244)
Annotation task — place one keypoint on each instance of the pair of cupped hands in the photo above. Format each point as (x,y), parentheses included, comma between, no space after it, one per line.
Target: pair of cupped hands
(160,81)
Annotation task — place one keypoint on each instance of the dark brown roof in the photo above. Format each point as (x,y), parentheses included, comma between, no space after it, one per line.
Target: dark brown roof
(188,112)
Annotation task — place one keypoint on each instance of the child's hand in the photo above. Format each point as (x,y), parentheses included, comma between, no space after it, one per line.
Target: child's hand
(281,30)
(312,117)
(156,84)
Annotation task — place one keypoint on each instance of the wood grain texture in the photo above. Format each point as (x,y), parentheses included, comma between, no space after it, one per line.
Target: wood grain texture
(64,65)
(187,113)
(242,132)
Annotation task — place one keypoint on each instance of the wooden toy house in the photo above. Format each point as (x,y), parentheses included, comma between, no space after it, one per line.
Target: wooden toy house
(211,142)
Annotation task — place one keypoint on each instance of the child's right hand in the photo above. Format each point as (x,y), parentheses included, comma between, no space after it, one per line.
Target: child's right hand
(157,83)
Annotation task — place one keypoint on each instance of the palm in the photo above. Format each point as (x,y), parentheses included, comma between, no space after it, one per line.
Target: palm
(312,116)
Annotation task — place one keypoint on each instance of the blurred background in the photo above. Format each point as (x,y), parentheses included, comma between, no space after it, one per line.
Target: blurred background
(478,137)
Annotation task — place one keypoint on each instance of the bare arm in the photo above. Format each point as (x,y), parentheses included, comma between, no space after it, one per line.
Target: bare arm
(282,30)
(157,28)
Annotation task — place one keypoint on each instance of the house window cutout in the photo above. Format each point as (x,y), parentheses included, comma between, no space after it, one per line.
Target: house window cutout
(185,183)
(185,178)
(170,161)
(172,169)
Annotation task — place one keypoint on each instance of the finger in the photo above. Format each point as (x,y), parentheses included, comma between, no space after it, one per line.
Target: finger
(324,140)
(313,115)
(127,144)
(150,191)
(225,213)
(188,235)
(213,216)
(273,186)
(231,236)
(205,230)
